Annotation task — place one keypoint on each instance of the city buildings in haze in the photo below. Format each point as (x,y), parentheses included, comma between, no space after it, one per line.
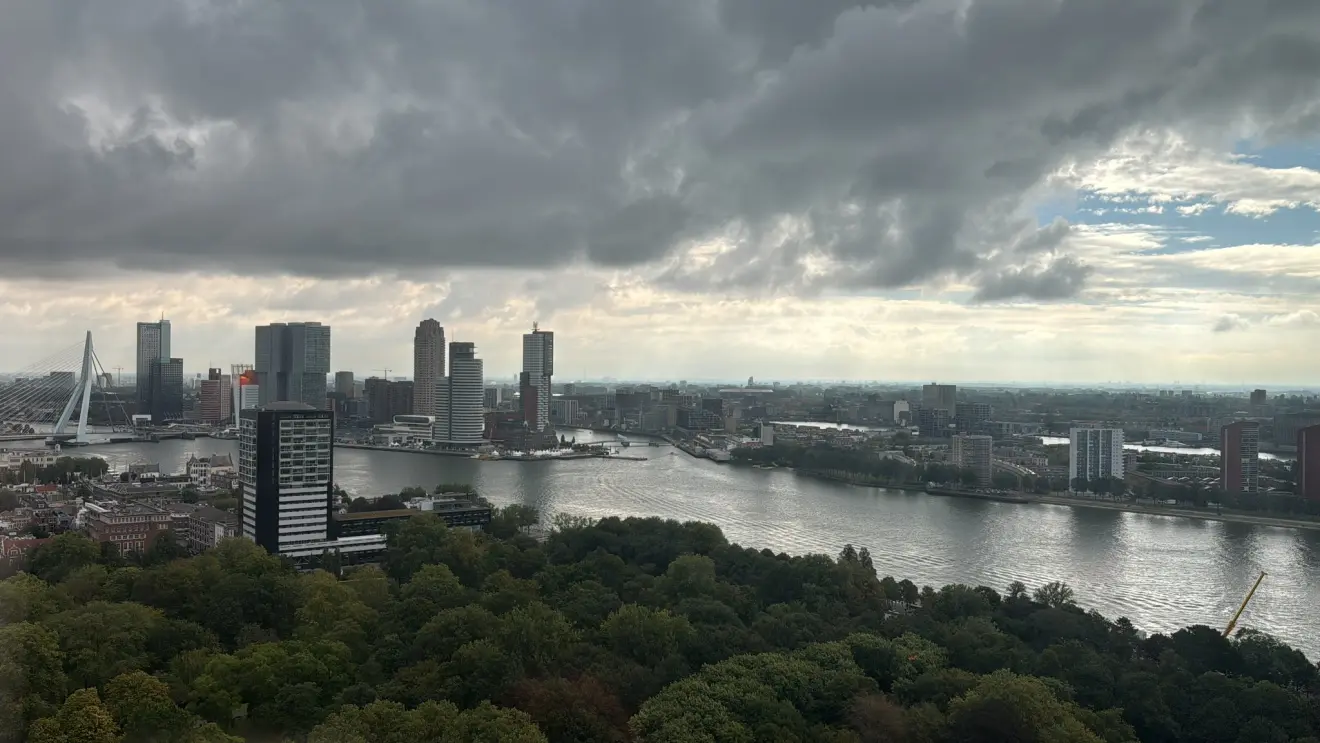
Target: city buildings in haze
(344,384)
(460,399)
(428,365)
(975,453)
(165,390)
(153,344)
(292,361)
(941,396)
(1239,456)
(534,383)
(214,397)
(1308,463)
(1094,453)
(247,393)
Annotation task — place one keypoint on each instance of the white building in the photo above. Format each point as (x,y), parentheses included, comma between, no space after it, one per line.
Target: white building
(975,453)
(538,368)
(460,399)
(767,434)
(405,430)
(428,365)
(1094,453)
(13,459)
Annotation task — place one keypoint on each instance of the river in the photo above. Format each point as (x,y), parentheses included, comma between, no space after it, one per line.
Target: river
(1161,572)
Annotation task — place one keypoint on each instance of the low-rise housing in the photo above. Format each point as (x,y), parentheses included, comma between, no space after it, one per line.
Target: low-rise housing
(132,527)
(207,526)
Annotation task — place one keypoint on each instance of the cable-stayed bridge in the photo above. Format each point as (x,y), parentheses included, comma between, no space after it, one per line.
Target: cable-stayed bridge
(65,397)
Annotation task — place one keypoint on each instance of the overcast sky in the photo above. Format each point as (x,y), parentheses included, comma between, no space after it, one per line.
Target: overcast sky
(1087,190)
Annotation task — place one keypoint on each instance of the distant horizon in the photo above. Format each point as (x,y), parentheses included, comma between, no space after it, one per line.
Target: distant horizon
(1178,387)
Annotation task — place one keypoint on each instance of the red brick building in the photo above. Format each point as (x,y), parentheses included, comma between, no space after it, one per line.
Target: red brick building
(133,527)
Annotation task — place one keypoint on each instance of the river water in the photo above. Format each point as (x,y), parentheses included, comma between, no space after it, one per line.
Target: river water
(1161,572)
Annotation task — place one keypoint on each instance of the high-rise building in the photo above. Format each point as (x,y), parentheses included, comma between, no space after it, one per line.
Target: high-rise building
(166,390)
(285,463)
(1239,456)
(247,393)
(1258,397)
(1308,463)
(975,453)
(293,360)
(1094,453)
(940,397)
(534,382)
(428,365)
(402,394)
(153,344)
(344,384)
(377,393)
(459,399)
(971,417)
(214,397)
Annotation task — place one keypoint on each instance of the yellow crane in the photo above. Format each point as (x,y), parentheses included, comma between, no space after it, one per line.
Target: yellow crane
(1232,623)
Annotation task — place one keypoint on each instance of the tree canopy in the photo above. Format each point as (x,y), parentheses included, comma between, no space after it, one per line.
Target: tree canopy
(612,630)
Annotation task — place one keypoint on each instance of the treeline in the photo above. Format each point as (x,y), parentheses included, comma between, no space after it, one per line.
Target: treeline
(65,470)
(621,630)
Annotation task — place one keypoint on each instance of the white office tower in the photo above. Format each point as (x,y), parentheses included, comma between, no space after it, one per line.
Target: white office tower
(293,360)
(460,399)
(1095,453)
(538,368)
(428,365)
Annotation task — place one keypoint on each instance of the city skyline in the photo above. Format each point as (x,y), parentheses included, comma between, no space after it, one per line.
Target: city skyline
(739,188)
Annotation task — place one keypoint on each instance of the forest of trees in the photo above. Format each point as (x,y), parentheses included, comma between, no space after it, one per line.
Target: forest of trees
(619,630)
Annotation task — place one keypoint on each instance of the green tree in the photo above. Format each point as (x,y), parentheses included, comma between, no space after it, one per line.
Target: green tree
(54,560)
(81,719)
(32,670)
(1055,594)
(142,706)
(645,635)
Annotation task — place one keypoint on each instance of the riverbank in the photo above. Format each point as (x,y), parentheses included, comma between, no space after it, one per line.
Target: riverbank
(492,457)
(1076,502)
(1232,518)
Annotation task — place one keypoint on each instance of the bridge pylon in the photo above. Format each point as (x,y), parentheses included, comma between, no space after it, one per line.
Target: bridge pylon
(83,390)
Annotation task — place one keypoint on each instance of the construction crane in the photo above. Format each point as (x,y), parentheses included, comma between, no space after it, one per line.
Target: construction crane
(386,371)
(119,376)
(1232,623)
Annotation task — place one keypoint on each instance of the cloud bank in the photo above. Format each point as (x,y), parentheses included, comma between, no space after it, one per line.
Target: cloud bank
(737,145)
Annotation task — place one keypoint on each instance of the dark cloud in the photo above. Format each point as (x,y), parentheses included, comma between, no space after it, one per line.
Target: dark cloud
(824,144)
(1061,278)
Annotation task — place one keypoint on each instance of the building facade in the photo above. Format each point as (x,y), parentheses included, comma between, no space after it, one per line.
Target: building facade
(1308,463)
(460,399)
(428,365)
(214,398)
(344,384)
(153,344)
(941,397)
(975,453)
(1094,453)
(132,527)
(292,362)
(1239,457)
(538,369)
(285,462)
(207,526)
(166,393)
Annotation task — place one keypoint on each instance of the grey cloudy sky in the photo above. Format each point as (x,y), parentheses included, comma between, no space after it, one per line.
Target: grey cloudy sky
(678,187)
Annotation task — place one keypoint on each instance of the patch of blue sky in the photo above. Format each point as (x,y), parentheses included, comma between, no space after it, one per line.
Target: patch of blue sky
(1300,154)
(1209,228)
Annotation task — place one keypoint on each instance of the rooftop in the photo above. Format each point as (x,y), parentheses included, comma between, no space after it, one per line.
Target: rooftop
(287,405)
